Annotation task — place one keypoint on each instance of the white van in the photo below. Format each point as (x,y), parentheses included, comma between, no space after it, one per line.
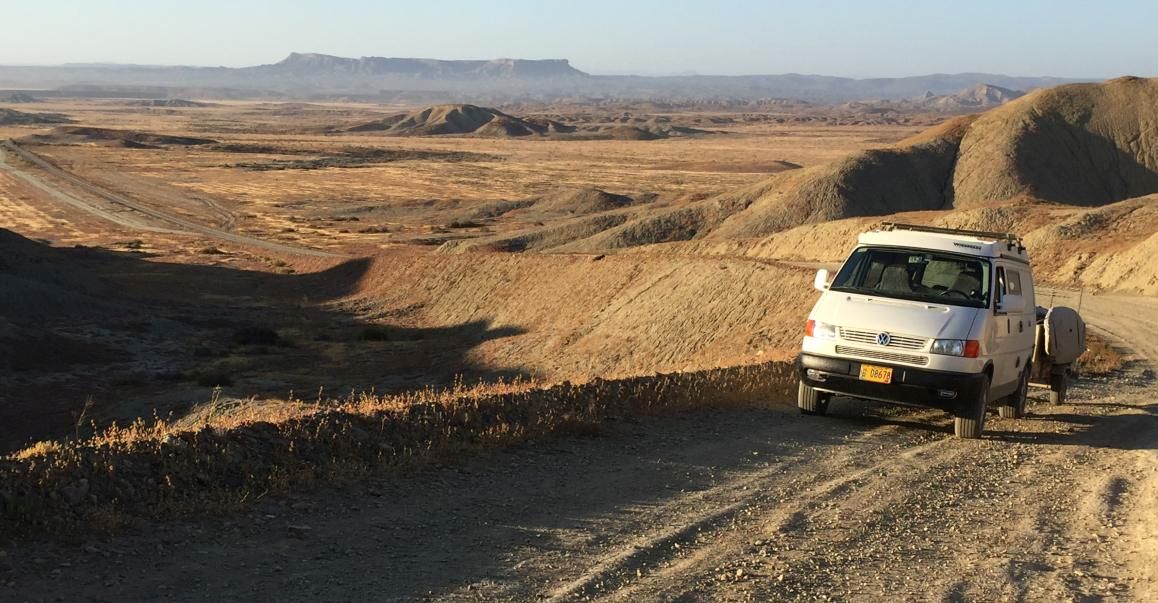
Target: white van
(924,316)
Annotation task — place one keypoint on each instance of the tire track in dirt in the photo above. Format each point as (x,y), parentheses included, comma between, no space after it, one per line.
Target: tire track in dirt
(138,215)
(698,514)
(124,217)
(782,513)
(1010,499)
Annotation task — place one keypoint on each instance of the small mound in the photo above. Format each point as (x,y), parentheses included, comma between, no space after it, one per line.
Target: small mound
(550,126)
(503,126)
(497,209)
(680,224)
(581,201)
(637,130)
(169,102)
(541,239)
(12,117)
(453,119)
(629,133)
(773,166)
(109,136)
(981,96)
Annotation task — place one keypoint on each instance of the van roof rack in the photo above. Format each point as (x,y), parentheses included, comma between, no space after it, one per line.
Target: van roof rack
(1011,239)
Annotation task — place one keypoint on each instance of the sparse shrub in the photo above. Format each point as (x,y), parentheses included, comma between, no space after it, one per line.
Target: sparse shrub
(204,351)
(1100,358)
(254,335)
(210,251)
(375,333)
(212,377)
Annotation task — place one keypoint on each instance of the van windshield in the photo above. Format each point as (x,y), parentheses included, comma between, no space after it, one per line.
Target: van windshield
(916,274)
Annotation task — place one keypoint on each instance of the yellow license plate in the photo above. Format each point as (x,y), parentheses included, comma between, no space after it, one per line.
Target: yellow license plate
(876,374)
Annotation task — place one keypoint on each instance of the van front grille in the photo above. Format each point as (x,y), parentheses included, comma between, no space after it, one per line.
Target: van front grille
(883,355)
(901,342)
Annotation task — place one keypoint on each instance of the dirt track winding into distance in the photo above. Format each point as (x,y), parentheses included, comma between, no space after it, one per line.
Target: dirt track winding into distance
(120,210)
(724,505)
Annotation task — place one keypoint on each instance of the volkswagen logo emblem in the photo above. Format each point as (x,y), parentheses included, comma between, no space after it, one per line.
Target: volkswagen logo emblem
(883,338)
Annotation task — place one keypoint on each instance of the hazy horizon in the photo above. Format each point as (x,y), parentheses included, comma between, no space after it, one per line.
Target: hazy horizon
(738,37)
(684,73)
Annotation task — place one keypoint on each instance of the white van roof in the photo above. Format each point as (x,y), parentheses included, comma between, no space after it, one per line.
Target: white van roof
(970,242)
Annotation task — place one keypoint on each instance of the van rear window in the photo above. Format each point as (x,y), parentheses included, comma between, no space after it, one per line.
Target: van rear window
(917,275)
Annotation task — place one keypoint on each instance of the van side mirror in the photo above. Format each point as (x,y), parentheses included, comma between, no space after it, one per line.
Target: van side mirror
(1011,304)
(821,282)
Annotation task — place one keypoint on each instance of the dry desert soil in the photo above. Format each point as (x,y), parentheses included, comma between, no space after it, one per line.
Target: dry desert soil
(190,260)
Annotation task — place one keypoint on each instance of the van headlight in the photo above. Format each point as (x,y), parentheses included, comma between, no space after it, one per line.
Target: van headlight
(948,347)
(820,330)
(967,348)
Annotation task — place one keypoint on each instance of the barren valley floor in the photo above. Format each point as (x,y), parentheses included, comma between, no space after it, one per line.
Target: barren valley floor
(291,253)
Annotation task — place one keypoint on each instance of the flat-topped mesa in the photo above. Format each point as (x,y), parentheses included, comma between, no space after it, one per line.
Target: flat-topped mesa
(313,64)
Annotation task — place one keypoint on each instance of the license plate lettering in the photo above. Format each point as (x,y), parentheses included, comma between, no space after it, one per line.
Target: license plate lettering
(876,374)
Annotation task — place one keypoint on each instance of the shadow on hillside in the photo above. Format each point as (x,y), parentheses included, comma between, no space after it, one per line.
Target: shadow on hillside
(140,337)
(1069,164)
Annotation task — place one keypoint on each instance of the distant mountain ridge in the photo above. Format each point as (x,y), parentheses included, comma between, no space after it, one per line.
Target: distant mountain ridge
(313,76)
(323,64)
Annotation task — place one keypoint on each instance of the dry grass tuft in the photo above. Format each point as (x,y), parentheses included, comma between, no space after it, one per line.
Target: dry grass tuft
(1100,357)
(232,455)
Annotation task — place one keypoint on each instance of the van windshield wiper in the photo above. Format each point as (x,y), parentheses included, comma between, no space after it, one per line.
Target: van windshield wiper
(849,289)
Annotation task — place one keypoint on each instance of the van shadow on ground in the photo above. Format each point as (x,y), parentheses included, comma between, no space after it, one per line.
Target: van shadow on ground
(140,337)
(1134,431)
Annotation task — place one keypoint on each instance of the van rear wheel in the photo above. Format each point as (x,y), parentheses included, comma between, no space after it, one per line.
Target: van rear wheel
(810,401)
(1058,384)
(969,420)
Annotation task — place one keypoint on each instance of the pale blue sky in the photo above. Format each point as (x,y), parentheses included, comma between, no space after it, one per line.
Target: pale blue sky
(860,39)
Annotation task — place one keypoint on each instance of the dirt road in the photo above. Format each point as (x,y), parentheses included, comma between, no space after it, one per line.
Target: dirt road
(61,187)
(866,504)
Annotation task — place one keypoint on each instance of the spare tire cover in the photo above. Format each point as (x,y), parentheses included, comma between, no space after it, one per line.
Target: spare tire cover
(1065,335)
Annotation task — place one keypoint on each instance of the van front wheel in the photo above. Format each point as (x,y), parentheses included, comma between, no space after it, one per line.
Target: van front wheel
(969,420)
(1013,407)
(810,401)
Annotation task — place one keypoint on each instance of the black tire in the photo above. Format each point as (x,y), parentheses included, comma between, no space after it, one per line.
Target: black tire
(810,401)
(969,420)
(1013,407)
(1058,386)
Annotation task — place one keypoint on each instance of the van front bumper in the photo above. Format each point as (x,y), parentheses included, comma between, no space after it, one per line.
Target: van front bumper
(910,386)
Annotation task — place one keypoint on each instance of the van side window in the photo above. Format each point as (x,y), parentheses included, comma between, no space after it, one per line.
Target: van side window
(1013,282)
(999,288)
